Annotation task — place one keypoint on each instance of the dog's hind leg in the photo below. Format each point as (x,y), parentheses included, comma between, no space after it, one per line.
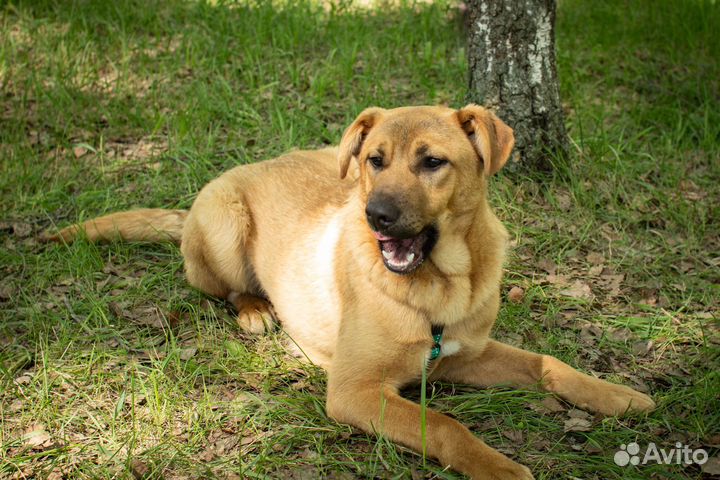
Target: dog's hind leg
(255,314)
(214,247)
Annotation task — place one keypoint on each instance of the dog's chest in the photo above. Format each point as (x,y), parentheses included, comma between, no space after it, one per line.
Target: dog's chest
(450,347)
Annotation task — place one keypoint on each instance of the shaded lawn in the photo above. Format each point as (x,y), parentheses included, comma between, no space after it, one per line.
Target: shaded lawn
(110,365)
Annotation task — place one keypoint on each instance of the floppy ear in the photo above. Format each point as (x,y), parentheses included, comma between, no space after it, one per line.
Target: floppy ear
(354,136)
(492,138)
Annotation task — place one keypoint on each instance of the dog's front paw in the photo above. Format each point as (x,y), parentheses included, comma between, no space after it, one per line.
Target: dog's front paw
(507,470)
(621,399)
(612,400)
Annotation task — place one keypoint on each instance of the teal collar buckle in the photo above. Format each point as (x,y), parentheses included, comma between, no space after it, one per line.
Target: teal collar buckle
(437,334)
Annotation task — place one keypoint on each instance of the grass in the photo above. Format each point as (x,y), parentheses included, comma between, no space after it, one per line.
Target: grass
(111,366)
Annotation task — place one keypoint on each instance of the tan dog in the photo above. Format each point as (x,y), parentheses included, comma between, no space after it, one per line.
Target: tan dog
(361,271)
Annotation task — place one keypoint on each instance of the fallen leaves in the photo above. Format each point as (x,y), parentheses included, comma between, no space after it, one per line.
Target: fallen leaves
(140,469)
(516,294)
(187,353)
(23,379)
(564,200)
(18,229)
(691,192)
(583,277)
(6,291)
(79,151)
(551,404)
(577,425)
(611,282)
(595,258)
(515,436)
(578,289)
(547,265)
(712,466)
(36,437)
(228,441)
(642,347)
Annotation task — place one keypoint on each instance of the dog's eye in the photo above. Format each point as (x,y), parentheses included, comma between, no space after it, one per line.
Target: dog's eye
(376,162)
(432,163)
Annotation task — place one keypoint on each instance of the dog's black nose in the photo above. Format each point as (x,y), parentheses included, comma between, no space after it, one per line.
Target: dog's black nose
(381,214)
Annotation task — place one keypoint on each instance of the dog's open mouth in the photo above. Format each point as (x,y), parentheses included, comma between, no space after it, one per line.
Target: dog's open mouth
(404,255)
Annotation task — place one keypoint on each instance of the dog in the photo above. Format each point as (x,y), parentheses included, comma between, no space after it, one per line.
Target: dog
(387,269)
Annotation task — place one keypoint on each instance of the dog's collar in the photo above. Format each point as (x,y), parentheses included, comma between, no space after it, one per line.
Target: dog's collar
(437,334)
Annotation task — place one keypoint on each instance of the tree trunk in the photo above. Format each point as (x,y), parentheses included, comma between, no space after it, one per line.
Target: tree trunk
(511,54)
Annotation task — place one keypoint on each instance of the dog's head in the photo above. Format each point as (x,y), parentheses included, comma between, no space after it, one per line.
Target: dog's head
(422,172)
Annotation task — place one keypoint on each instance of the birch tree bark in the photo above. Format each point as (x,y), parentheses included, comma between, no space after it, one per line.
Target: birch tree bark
(511,54)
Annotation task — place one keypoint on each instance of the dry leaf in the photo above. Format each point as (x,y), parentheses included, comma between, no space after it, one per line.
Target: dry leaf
(552,405)
(642,348)
(547,265)
(226,443)
(575,413)
(490,424)
(612,282)
(620,334)
(55,474)
(564,201)
(79,151)
(36,436)
(139,469)
(592,448)
(691,191)
(556,279)
(589,333)
(6,292)
(175,318)
(249,441)
(650,301)
(595,258)
(712,466)
(595,271)
(16,405)
(187,353)
(22,229)
(516,436)
(577,425)
(712,441)
(208,455)
(516,294)
(578,289)
(150,316)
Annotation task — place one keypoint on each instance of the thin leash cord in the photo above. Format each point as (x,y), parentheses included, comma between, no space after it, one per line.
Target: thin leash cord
(437,334)
(423,411)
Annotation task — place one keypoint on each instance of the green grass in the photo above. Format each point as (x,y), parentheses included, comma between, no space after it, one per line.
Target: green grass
(113,105)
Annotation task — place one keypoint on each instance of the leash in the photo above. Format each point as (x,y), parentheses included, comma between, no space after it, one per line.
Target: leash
(437,334)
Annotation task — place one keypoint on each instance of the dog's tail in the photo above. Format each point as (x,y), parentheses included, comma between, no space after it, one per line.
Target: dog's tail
(143,225)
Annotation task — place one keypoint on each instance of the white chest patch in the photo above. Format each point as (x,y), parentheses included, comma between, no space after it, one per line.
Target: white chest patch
(451,347)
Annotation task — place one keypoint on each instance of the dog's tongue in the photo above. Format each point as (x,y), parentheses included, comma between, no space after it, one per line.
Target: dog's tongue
(381,237)
(397,246)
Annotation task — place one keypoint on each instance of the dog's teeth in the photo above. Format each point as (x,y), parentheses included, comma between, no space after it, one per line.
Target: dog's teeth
(387,255)
(410,257)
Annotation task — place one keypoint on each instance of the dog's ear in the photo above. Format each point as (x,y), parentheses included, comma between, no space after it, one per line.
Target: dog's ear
(492,138)
(354,136)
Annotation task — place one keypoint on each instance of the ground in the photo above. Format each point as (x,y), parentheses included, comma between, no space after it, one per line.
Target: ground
(112,366)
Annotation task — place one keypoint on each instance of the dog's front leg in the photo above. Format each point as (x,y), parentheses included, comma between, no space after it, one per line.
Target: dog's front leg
(500,364)
(381,410)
